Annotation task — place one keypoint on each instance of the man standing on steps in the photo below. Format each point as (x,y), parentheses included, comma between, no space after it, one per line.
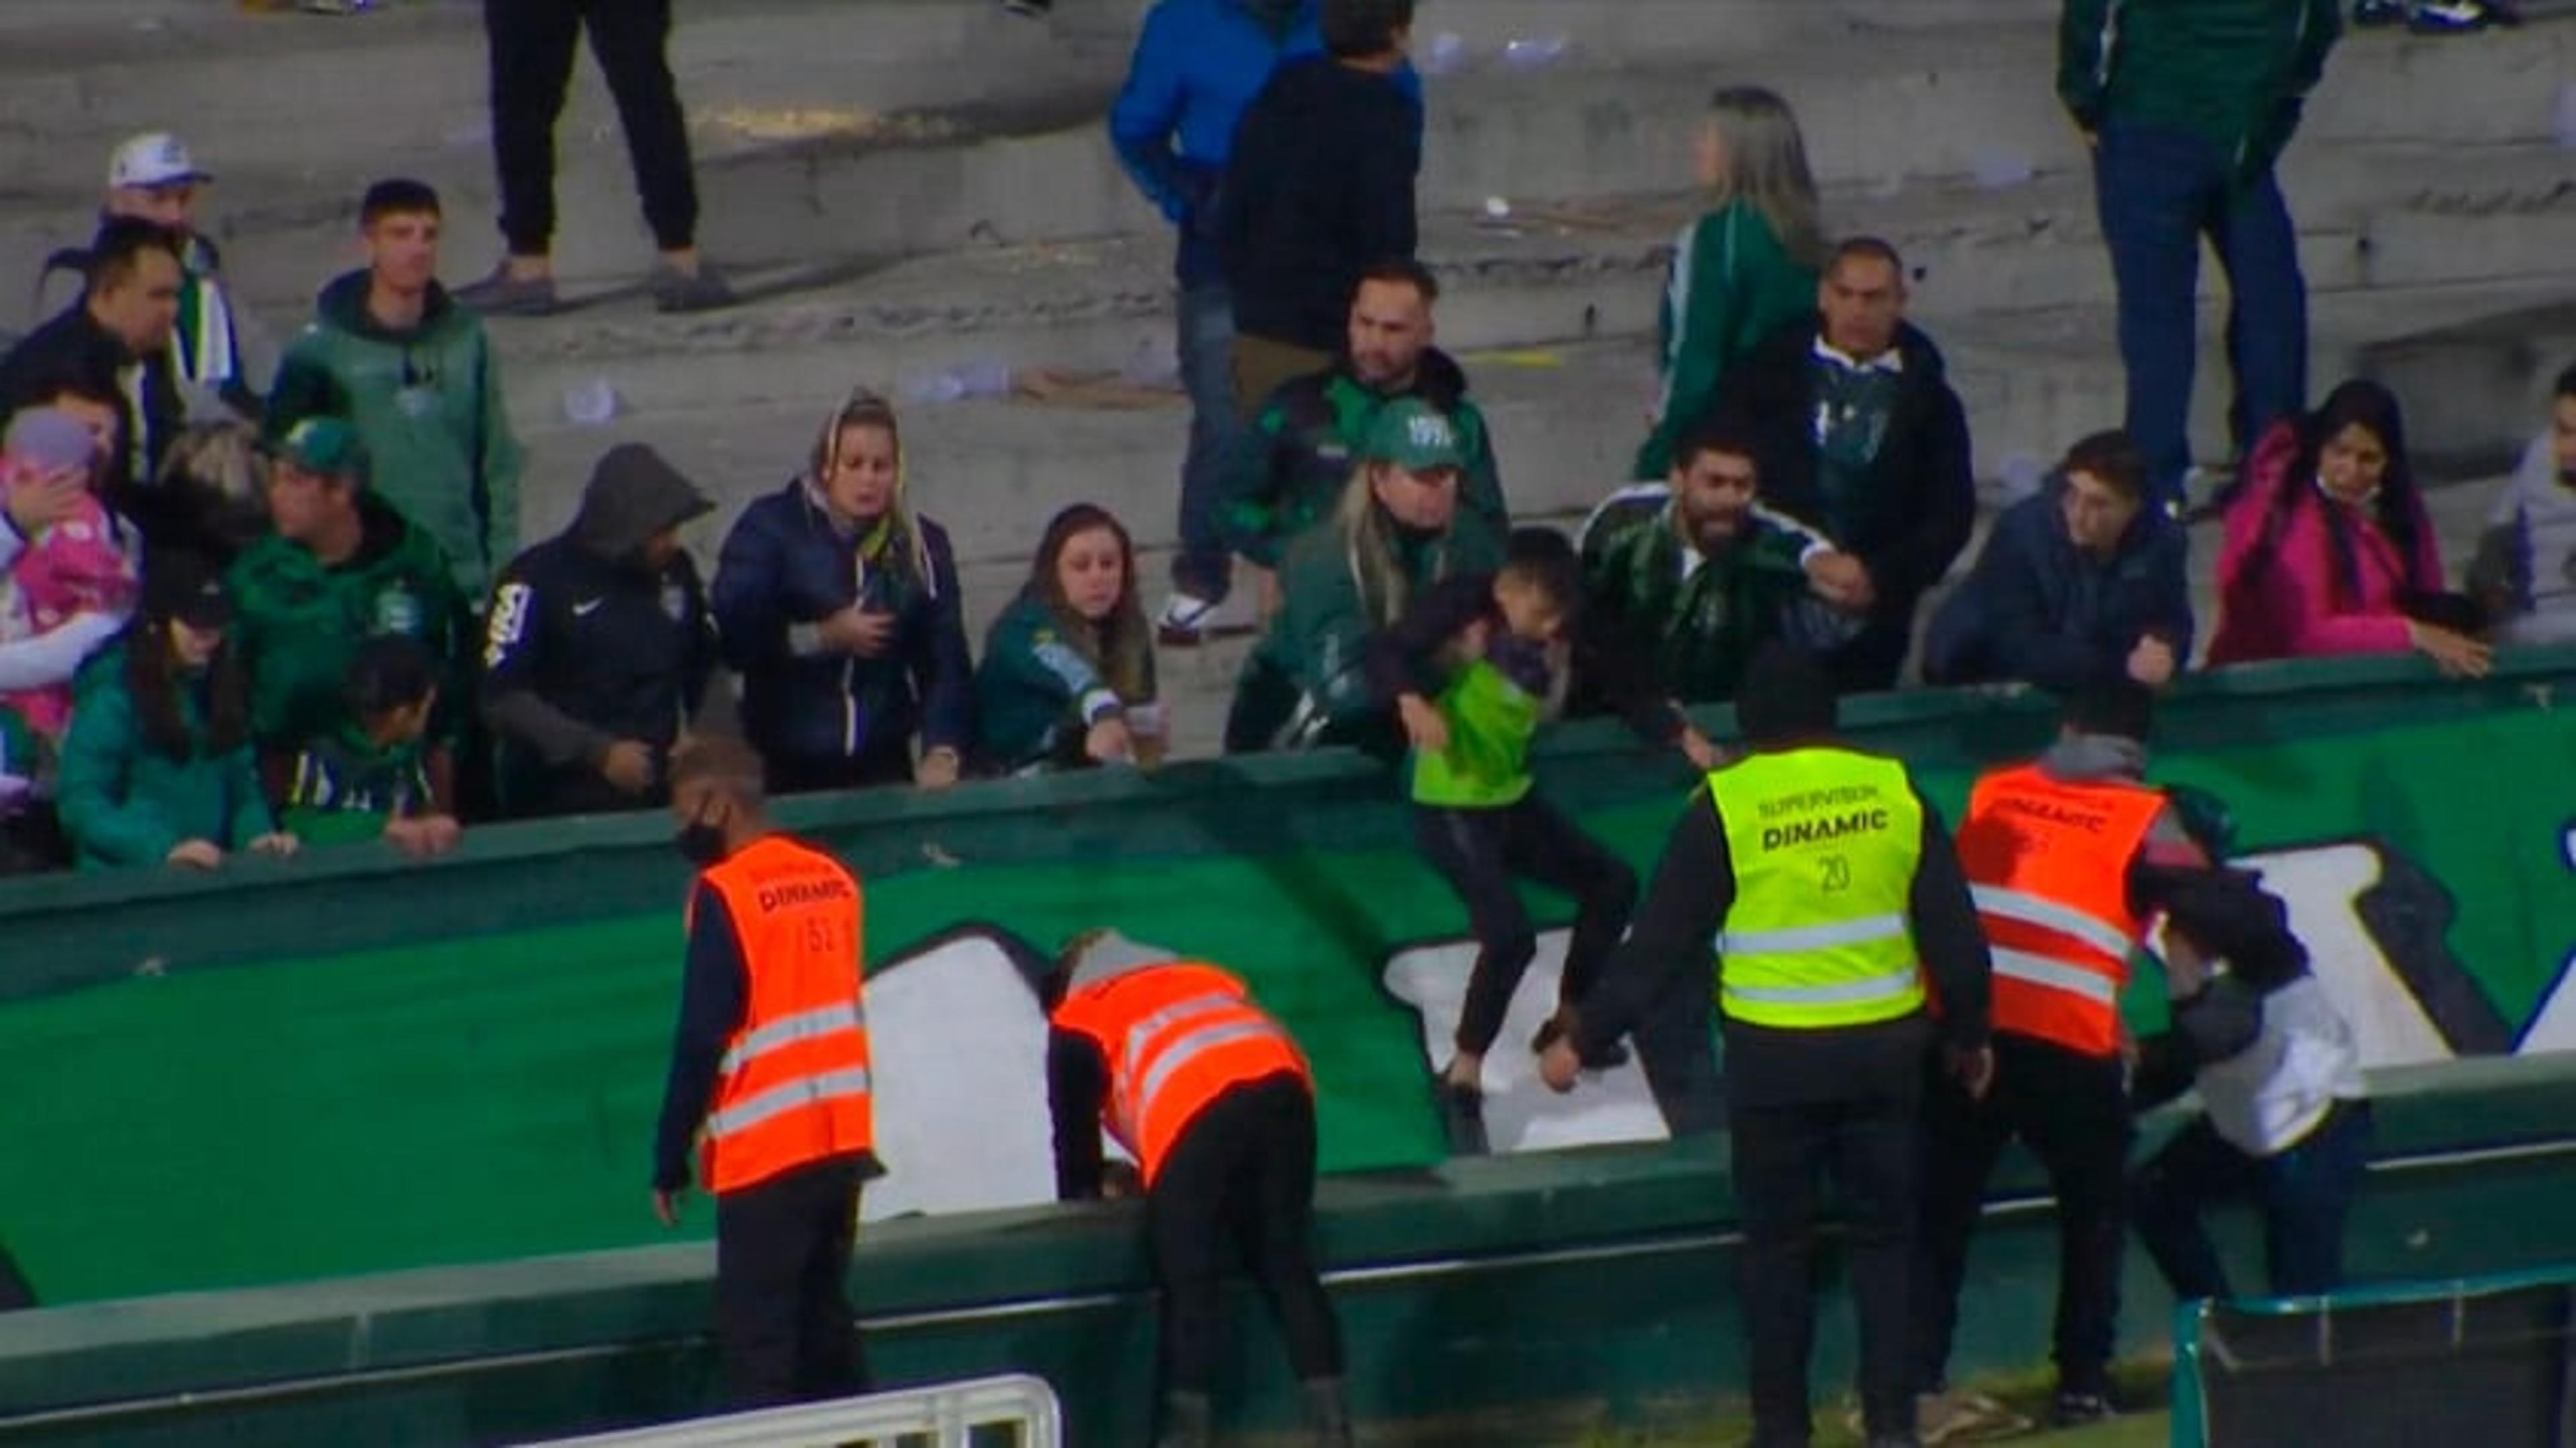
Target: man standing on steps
(2187,105)
(1319,189)
(415,374)
(532,43)
(1286,474)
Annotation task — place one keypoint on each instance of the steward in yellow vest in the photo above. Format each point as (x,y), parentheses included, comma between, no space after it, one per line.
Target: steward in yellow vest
(1817,892)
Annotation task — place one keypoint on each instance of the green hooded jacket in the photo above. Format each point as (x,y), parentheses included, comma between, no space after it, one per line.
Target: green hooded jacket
(1732,285)
(298,624)
(2234,72)
(428,404)
(125,802)
(1700,619)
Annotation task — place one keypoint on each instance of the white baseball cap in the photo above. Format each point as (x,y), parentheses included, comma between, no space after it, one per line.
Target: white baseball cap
(155,158)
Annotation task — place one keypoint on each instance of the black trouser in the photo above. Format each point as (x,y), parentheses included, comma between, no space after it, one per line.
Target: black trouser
(532,44)
(2305,1192)
(1479,852)
(872,769)
(783,1318)
(1242,1176)
(2072,1111)
(1869,1143)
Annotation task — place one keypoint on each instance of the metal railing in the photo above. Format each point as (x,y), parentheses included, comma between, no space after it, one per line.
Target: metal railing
(945,1415)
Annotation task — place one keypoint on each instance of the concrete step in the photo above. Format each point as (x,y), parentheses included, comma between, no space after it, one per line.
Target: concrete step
(1002,142)
(1566,419)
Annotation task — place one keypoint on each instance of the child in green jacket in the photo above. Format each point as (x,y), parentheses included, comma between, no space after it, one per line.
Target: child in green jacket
(158,767)
(370,779)
(1471,669)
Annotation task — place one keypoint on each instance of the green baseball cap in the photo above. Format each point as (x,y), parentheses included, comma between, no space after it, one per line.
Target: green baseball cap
(1415,436)
(325,445)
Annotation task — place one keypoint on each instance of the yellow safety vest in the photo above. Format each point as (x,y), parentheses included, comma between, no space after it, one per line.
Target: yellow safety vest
(1824,843)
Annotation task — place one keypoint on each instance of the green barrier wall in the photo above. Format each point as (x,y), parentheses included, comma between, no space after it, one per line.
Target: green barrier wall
(346,1065)
(1475,1296)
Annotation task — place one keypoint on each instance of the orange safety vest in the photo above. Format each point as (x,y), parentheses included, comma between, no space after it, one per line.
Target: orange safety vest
(793,1088)
(1176,1037)
(2048,861)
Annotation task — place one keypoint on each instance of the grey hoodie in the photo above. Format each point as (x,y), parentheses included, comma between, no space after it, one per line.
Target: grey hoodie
(2084,758)
(2527,555)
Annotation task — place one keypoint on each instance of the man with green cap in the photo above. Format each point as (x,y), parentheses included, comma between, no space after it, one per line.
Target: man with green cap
(1397,530)
(341,568)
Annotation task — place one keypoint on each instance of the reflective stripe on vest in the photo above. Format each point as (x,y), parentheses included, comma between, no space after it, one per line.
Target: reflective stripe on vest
(1823,842)
(2048,861)
(1176,1036)
(794,1084)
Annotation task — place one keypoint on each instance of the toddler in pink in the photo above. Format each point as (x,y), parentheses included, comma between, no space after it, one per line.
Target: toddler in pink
(82,564)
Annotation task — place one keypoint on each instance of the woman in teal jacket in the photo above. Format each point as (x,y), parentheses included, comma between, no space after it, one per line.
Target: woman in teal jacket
(1742,271)
(1067,680)
(158,767)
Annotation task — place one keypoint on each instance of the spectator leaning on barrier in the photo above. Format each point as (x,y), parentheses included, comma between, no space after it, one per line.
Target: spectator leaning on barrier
(2285,1120)
(1397,530)
(1862,436)
(392,354)
(1290,467)
(370,778)
(341,568)
(839,606)
(2188,106)
(2330,550)
(1068,674)
(2525,572)
(117,338)
(158,768)
(1740,272)
(2078,585)
(599,650)
(1318,189)
(1698,575)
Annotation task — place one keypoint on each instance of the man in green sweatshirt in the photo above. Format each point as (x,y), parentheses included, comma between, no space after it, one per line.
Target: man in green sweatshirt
(416,376)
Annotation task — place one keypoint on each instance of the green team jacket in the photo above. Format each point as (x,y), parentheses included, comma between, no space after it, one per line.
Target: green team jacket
(1701,630)
(298,624)
(346,789)
(428,403)
(2234,72)
(1286,472)
(1732,286)
(1035,694)
(125,802)
(1317,645)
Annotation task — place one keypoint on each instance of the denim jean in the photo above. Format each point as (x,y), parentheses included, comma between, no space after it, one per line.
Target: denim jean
(2304,1194)
(2159,192)
(1202,568)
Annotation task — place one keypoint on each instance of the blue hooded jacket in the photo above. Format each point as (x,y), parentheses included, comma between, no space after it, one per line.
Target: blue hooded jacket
(2037,609)
(1198,64)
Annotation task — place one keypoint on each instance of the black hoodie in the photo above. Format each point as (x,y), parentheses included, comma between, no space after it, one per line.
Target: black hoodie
(590,644)
(1319,189)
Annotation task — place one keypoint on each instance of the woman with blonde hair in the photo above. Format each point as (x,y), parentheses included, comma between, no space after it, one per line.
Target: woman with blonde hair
(1068,675)
(838,605)
(1743,270)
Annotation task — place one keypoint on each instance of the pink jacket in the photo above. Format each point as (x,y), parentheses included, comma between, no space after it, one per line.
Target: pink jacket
(2292,602)
(80,565)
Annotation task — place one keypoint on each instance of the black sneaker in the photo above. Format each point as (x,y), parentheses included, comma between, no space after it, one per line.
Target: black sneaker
(2459,17)
(2377,14)
(2074,1410)
(503,295)
(1034,9)
(676,292)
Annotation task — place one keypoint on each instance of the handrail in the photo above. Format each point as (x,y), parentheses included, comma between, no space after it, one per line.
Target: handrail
(945,1413)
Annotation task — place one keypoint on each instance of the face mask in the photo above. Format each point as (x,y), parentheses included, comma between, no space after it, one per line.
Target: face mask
(701,842)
